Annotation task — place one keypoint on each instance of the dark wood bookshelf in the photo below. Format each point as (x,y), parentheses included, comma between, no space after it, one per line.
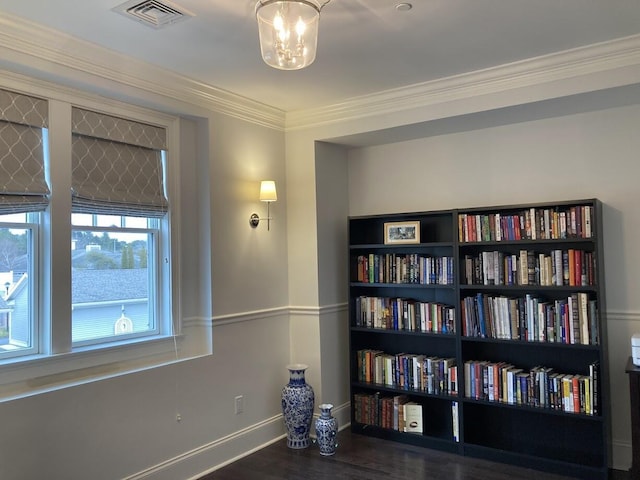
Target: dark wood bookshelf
(520,432)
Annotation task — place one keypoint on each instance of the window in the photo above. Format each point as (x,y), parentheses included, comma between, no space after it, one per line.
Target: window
(118,206)
(114,278)
(96,182)
(23,192)
(18,328)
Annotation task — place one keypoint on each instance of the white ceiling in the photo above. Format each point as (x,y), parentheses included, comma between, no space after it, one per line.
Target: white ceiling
(365,46)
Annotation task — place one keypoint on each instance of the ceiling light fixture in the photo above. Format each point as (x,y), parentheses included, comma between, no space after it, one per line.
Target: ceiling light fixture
(288,32)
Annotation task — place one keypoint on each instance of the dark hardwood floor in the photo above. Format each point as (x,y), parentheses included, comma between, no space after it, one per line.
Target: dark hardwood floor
(365,458)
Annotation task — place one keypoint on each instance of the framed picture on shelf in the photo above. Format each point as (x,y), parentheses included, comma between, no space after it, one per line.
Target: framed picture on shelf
(401,232)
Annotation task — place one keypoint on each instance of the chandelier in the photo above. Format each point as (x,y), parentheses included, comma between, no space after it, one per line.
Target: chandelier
(288,32)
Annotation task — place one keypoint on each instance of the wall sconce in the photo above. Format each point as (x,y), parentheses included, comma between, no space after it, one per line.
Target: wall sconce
(267,194)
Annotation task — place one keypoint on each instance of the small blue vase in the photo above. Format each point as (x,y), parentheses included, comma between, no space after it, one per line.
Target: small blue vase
(326,430)
(297,407)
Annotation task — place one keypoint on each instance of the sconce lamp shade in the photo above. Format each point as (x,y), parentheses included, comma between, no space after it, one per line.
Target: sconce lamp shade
(268,191)
(288,31)
(267,194)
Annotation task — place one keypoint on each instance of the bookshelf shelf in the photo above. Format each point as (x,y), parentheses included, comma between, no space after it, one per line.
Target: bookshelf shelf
(386,331)
(526,242)
(497,333)
(569,468)
(377,387)
(538,410)
(416,246)
(532,344)
(529,289)
(424,440)
(400,285)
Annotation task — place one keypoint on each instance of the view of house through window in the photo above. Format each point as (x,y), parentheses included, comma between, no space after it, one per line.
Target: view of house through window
(113,277)
(16,308)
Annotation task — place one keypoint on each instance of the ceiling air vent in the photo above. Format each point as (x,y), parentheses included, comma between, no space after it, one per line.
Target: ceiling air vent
(153,13)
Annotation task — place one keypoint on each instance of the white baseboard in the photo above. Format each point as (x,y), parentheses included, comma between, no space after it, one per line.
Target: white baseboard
(621,455)
(219,453)
(214,455)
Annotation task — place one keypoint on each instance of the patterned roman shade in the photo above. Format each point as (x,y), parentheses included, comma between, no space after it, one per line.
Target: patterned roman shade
(117,166)
(23,187)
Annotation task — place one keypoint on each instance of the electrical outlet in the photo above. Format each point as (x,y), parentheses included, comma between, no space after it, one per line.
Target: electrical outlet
(239,404)
(178,417)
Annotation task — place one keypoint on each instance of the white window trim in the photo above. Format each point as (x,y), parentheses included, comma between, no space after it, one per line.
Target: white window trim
(59,365)
(31,375)
(33,273)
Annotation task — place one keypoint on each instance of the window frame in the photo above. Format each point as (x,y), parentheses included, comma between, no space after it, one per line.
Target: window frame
(35,325)
(59,363)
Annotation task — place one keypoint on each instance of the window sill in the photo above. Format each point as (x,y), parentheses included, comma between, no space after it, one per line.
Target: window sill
(31,375)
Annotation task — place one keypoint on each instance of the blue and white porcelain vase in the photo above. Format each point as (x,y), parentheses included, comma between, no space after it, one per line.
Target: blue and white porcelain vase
(326,430)
(297,407)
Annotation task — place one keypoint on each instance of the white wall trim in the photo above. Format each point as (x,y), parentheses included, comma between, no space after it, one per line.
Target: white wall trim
(214,451)
(304,311)
(46,373)
(249,316)
(317,311)
(193,322)
(621,453)
(256,315)
(42,44)
(620,316)
(569,64)
(335,308)
(259,435)
(57,91)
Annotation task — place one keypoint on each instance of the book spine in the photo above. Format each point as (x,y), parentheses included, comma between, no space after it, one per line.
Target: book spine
(455,421)
(595,387)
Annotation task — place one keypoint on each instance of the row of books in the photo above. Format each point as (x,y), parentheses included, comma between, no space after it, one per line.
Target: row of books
(393,412)
(570,320)
(528,224)
(404,314)
(430,374)
(538,387)
(569,267)
(404,268)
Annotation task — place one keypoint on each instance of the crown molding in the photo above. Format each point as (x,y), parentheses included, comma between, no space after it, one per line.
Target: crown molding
(570,64)
(41,47)
(41,44)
